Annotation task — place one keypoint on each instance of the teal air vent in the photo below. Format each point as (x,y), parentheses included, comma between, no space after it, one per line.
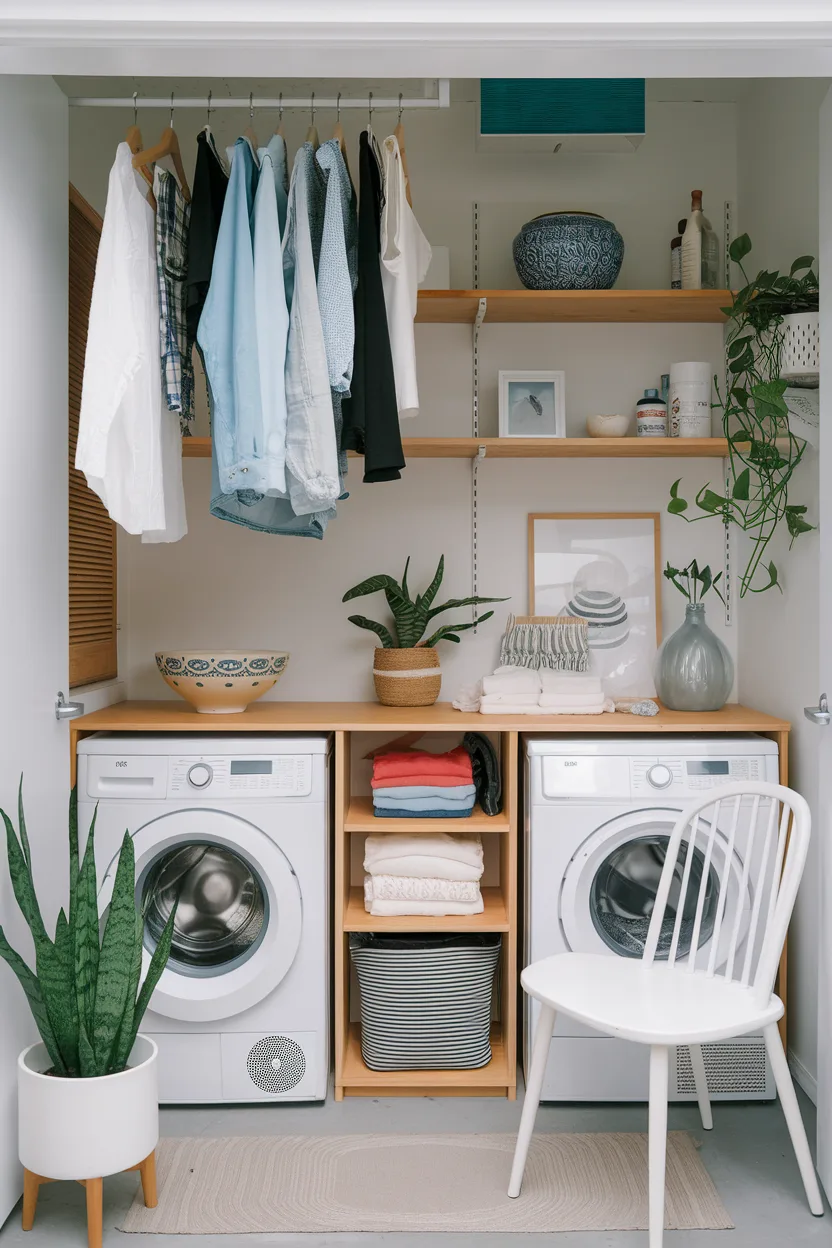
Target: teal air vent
(581,113)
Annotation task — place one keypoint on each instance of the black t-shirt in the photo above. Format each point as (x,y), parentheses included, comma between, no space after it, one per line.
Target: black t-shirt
(207,199)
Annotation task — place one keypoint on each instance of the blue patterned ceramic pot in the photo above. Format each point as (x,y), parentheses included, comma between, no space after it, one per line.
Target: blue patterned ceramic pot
(568,251)
(221,682)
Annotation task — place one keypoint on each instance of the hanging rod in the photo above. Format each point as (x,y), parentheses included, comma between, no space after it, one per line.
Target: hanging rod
(442,100)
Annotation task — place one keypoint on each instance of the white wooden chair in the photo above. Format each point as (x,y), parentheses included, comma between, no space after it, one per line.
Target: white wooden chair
(666,998)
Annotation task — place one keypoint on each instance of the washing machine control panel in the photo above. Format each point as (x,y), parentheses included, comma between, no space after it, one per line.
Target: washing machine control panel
(692,775)
(274,775)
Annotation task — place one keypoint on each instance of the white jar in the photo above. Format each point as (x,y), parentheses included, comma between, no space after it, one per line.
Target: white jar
(651,416)
(689,400)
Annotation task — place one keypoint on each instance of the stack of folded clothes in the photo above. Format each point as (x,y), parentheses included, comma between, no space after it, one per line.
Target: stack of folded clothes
(434,874)
(541,691)
(510,690)
(571,693)
(418,785)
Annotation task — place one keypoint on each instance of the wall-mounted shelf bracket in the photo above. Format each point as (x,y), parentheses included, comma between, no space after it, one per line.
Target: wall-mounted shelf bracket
(482,451)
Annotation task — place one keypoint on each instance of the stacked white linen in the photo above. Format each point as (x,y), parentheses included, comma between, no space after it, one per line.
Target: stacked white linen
(434,874)
(510,690)
(538,691)
(571,693)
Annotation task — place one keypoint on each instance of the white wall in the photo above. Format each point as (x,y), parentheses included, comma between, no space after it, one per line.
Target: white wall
(226,586)
(779,669)
(33,535)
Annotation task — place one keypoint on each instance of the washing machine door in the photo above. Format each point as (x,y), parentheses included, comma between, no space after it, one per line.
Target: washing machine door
(609,889)
(238,911)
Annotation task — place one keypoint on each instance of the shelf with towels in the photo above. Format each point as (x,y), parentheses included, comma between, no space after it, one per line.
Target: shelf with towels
(494,917)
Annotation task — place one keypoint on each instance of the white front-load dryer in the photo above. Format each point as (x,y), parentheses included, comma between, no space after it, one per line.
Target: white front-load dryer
(233,831)
(598,814)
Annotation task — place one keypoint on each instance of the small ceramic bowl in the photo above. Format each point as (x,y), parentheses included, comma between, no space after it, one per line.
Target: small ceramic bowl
(221,682)
(607,426)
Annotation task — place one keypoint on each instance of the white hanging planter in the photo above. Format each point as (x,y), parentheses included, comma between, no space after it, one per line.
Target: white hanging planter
(87,1128)
(801,349)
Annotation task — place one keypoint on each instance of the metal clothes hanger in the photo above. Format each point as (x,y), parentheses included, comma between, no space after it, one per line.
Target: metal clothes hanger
(133,139)
(279,129)
(338,131)
(248,133)
(312,132)
(168,145)
(398,134)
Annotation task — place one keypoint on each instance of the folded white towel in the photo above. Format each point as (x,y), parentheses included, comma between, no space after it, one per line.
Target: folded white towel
(425,866)
(386,909)
(468,697)
(512,680)
(509,699)
(465,849)
(571,699)
(598,708)
(509,708)
(409,888)
(569,682)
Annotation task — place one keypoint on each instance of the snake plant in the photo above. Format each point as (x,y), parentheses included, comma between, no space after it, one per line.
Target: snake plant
(412,616)
(84,992)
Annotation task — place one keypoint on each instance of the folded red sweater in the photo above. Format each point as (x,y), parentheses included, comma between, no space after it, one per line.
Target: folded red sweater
(420,767)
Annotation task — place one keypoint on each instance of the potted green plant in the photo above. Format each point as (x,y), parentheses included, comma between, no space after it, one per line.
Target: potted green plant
(768,350)
(406,668)
(87,1093)
(694,671)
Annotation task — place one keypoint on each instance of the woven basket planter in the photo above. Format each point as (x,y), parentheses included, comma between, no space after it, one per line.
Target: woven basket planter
(407,677)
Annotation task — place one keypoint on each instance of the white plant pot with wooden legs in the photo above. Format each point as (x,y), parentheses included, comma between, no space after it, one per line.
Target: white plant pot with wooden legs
(85,1129)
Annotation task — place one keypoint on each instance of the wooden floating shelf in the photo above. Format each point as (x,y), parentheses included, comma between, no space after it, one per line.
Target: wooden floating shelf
(360,1080)
(494,917)
(536,448)
(360,818)
(459,307)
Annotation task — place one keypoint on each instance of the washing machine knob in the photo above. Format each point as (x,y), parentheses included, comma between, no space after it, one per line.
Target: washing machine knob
(200,775)
(660,776)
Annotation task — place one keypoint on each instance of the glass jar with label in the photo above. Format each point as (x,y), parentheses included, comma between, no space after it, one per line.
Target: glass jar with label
(689,399)
(651,416)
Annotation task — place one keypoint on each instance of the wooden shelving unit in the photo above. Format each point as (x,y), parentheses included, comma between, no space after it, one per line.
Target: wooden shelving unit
(353,816)
(459,307)
(536,448)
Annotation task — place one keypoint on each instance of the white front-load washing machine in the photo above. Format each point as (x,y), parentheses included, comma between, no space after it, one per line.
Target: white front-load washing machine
(236,828)
(598,815)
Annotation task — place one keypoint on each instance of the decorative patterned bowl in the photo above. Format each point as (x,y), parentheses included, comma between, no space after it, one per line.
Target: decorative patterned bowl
(568,251)
(221,682)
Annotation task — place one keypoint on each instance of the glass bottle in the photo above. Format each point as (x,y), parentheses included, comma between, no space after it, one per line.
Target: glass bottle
(694,671)
(700,249)
(676,257)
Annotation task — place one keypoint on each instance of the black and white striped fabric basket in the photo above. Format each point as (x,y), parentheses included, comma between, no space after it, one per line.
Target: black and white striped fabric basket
(425,1000)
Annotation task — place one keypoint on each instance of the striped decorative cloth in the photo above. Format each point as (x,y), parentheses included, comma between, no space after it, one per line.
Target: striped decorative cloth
(558,642)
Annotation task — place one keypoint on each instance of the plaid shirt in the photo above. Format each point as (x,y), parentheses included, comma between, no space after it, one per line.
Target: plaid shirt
(173,216)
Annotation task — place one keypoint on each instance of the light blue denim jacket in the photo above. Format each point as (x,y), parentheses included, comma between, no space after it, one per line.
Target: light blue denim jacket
(311,447)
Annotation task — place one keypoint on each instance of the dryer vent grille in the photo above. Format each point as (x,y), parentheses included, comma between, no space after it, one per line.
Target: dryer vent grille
(732,1069)
(276,1064)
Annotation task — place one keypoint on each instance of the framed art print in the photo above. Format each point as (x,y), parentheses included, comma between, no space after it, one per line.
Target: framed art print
(604,568)
(532,404)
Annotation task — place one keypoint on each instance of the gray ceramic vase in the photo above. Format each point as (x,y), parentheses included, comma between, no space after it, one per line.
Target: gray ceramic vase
(694,671)
(568,251)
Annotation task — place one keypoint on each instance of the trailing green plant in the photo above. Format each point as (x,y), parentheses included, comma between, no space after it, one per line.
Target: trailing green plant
(84,993)
(763,452)
(694,582)
(411,617)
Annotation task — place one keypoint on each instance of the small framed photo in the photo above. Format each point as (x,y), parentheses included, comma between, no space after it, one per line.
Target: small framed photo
(532,404)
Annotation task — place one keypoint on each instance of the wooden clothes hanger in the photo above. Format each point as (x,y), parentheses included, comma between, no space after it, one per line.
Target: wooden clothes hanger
(398,134)
(168,145)
(133,139)
(312,132)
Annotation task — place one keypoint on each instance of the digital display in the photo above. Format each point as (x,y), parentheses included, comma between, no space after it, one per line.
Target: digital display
(710,767)
(251,767)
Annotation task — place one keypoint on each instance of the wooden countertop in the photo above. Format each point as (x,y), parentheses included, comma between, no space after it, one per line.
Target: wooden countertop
(176,716)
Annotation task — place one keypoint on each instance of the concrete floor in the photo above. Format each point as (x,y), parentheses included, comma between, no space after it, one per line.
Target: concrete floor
(748,1154)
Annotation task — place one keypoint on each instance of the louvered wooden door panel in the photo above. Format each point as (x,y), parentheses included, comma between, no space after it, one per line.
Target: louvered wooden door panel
(93,650)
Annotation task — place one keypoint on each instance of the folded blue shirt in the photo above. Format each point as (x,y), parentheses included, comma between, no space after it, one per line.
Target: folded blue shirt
(454,793)
(421,803)
(388,813)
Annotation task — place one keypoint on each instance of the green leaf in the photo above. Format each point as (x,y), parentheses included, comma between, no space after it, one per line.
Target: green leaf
(426,600)
(676,506)
(86,1053)
(447,631)
(674,489)
(31,987)
(361,621)
(742,486)
(126,1035)
(158,962)
(73,845)
(739,248)
(116,959)
(738,346)
(743,362)
(86,933)
(409,616)
(57,983)
(404,579)
(371,586)
(23,886)
(453,603)
(710,501)
(802,262)
(21,823)
(795,522)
